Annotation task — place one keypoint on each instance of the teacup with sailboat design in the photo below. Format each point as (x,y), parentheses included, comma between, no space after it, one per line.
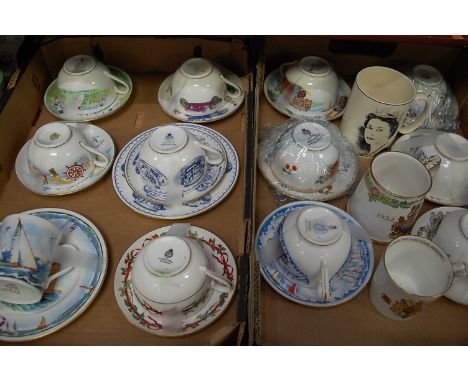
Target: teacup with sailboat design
(28,246)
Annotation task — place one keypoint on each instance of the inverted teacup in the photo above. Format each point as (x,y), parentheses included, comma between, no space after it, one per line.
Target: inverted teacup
(309,84)
(172,274)
(86,85)
(316,243)
(172,162)
(198,88)
(61,155)
(28,246)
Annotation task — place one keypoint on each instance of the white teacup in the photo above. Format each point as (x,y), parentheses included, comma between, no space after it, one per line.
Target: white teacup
(310,84)
(305,159)
(172,274)
(86,85)
(60,154)
(316,242)
(173,162)
(198,88)
(28,245)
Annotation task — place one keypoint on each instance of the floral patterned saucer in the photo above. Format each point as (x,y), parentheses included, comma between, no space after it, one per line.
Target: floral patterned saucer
(344,285)
(212,307)
(55,106)
(427,226)
(72,293)
(230,106)
(273,95)
(187,209)
(96,137)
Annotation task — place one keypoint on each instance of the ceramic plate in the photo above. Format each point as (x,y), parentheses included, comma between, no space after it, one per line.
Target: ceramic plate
(346,176)
(96,137)
(212,177)
(55,106)
(351,278)
(421,145)
(273,85)
(222,261)
(230,106)
(187,209)
(72,292)
(426,226)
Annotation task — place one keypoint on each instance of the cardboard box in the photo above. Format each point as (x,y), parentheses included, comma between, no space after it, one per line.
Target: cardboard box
(148,60)
(278,321)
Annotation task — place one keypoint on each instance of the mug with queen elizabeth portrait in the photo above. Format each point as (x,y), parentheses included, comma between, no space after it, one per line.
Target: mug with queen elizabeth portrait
(378,104)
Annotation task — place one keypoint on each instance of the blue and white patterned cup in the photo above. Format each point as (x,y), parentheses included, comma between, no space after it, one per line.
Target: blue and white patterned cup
(172,162)
(28,245)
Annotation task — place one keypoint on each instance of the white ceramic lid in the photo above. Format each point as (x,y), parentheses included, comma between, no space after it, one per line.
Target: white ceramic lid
(453,146)
(79,65)
(167,256)
(52,135)
(427,75)
(312,135)
(196,68)
(168,139)
(315,66)
(320,226)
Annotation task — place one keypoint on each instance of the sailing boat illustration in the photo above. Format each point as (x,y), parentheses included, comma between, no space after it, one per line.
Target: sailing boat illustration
(20,254)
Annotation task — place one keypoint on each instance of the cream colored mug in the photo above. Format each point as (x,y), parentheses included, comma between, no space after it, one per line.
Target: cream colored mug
(377,107)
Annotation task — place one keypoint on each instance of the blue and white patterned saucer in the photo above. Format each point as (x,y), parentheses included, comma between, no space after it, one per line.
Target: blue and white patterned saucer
(350,279)
(71,294)
(186,209)
(213,175)
(96,137)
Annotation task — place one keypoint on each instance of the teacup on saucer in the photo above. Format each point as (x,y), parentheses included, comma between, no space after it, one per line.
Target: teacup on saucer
(199,90)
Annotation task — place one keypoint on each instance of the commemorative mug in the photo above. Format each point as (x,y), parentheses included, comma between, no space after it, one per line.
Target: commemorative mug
(412,273)
(389,196)
(61,155)
(199,88)
(86,85)
(377,107)
(172,162)
(28,246)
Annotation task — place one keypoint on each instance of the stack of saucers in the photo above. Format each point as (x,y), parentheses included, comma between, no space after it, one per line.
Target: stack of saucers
(175,171)
(314,254)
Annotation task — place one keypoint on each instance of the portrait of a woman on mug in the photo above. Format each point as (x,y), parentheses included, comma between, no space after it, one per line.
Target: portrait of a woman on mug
(376,132)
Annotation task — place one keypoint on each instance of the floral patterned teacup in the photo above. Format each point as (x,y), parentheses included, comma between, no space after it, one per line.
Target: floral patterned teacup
(412,273)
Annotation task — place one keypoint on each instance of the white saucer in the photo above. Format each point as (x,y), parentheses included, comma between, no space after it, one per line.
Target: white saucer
(426,226)
(55,106)
(222,261)
(230,106)
(72,292)
(346,176)
(271,89)
(187,209)
(96,137)
(344,285)
(212,177)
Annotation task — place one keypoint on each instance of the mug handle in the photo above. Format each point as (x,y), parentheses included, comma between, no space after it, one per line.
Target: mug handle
(421,118)
(219,283)
(121,82)
(219,158)
(283,66)
(102,162)
(63,271)
(237,90)
(325,280)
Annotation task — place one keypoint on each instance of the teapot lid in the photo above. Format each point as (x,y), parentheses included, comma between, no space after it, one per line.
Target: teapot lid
(168,139)
(312,136)
(167,256)
(320,226)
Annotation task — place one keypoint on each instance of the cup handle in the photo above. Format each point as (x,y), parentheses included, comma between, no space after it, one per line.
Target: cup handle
(219,283)
(283,67)
(63,271)
(460,269)
(237,90)
(121,82)
(102,162)
(325,280)
(219,158)
(421,118)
